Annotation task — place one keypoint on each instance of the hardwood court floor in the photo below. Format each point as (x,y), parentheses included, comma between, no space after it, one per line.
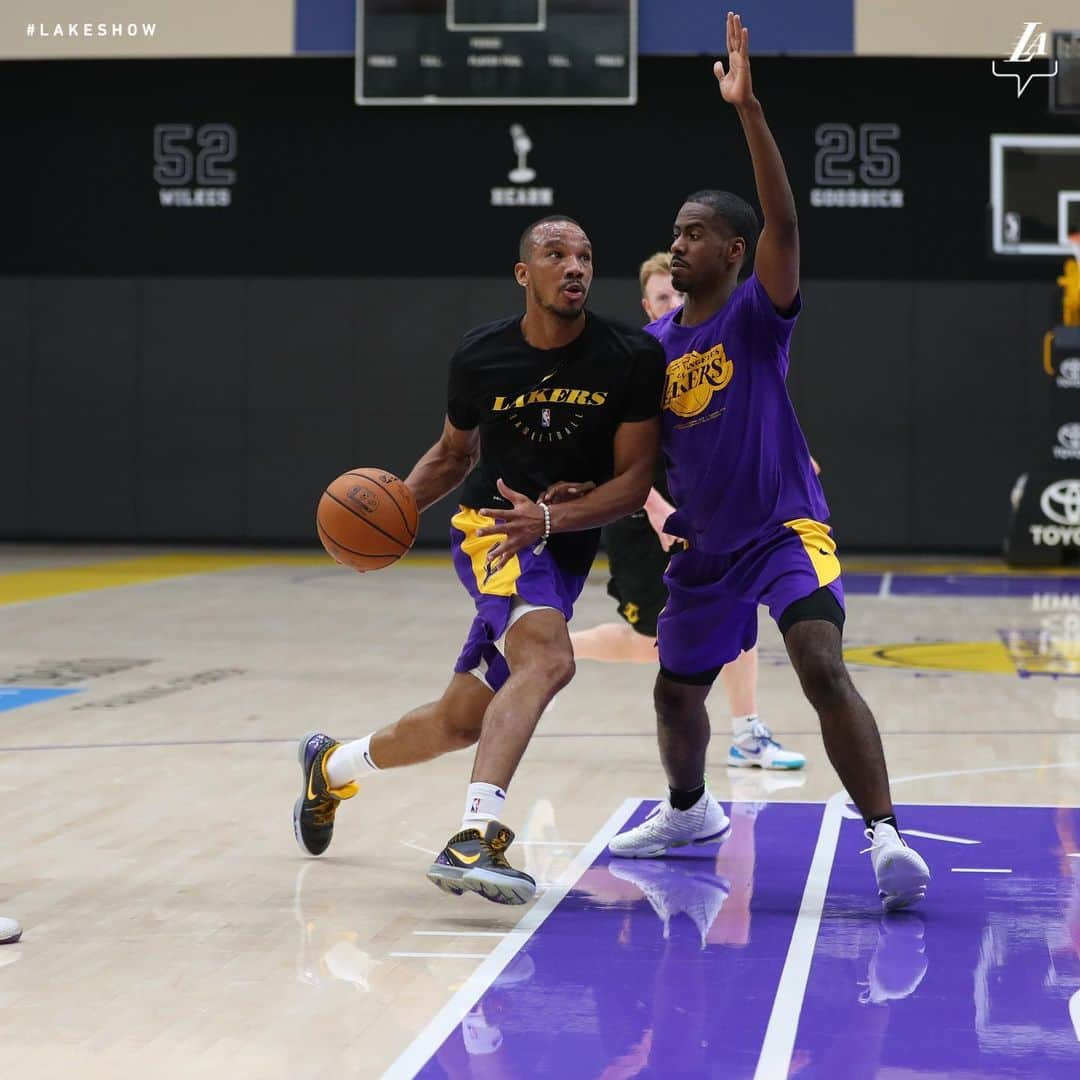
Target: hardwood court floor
(173,928)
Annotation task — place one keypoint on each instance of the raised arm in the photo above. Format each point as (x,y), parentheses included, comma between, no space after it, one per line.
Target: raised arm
(444,466)
(777,260)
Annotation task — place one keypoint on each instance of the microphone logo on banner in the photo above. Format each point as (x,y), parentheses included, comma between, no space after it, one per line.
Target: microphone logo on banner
(522,175)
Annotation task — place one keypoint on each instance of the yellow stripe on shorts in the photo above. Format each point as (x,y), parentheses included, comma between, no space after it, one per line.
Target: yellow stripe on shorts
(504,581)
(820,548)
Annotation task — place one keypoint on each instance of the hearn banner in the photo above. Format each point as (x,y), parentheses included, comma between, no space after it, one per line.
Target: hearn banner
(268,167)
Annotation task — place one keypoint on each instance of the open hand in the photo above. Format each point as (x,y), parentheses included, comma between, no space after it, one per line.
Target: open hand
(566,491)
(735,87)
(519,527)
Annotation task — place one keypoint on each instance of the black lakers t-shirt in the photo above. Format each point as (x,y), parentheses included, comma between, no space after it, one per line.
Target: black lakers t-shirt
(546,415)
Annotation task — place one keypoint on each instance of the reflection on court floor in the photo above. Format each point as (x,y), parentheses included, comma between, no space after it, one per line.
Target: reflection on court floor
(672,967)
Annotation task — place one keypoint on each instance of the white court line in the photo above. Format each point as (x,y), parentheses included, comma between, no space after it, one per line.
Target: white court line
(979,870)
(886,585)
(421,1049)
(779,1042)
(416,847)
(444,955)
(940,836)
(978,772)
(462,933)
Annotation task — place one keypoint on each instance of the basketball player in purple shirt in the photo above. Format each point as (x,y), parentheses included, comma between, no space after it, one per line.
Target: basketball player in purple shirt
(638,551)
(749,506)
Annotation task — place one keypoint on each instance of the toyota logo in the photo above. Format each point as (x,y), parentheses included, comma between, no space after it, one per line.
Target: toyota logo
(1060,502)
(1069,436)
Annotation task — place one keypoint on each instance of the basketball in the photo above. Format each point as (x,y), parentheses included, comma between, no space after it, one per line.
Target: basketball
(366,519)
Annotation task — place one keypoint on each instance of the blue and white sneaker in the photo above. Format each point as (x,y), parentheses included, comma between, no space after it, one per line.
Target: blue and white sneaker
(756,748)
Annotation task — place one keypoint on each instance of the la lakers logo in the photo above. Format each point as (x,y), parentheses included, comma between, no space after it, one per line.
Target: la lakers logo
(693,378)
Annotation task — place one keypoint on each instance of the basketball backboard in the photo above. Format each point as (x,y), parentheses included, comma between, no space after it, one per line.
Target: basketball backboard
(1034,193)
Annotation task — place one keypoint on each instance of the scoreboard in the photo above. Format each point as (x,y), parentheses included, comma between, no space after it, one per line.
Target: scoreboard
(496,52)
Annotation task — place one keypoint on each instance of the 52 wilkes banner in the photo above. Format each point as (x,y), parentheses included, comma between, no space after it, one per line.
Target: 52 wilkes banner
(267,167)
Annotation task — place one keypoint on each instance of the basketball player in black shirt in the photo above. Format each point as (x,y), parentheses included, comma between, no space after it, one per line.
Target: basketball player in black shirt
(558,393)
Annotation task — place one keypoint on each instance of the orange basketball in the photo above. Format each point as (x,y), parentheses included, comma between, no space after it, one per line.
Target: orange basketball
(367,519)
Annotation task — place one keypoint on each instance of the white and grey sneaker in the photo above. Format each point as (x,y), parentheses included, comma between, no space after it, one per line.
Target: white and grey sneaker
(10,931)
(704,823)
(901,872)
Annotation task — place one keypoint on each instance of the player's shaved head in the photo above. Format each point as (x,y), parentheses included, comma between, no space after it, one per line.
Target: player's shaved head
(534,233)
(734,213)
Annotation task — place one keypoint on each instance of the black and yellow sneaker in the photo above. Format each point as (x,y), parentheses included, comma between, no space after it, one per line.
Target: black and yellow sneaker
(313,814)
(476,862)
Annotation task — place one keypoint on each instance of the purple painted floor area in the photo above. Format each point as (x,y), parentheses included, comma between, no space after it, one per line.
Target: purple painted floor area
(669,967)
(861,584)
(977,982)
(984,585)
(857,583)
(651,967)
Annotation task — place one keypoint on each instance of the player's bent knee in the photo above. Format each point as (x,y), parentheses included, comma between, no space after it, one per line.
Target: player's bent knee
(824,679)
(460,733)
(674,699)
(553,667)
(561,669)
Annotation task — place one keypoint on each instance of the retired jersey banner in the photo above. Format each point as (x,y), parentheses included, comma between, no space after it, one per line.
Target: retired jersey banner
(268,167)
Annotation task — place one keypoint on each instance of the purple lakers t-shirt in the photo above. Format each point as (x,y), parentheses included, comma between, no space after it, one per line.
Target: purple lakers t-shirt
(736,457)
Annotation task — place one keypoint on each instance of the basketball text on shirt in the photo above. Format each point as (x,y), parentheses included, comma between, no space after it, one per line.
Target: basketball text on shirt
(556,395)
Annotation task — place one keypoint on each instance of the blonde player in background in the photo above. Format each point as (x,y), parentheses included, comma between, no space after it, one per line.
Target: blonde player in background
(638,549)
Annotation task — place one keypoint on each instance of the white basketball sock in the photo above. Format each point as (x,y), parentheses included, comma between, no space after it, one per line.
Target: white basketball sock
(349,761)
(741,725)
(483,803)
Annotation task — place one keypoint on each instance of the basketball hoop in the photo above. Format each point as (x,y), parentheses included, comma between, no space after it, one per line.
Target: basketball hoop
(1074,241)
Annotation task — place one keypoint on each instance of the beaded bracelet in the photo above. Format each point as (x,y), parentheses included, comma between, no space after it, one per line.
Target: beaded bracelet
(547,529)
